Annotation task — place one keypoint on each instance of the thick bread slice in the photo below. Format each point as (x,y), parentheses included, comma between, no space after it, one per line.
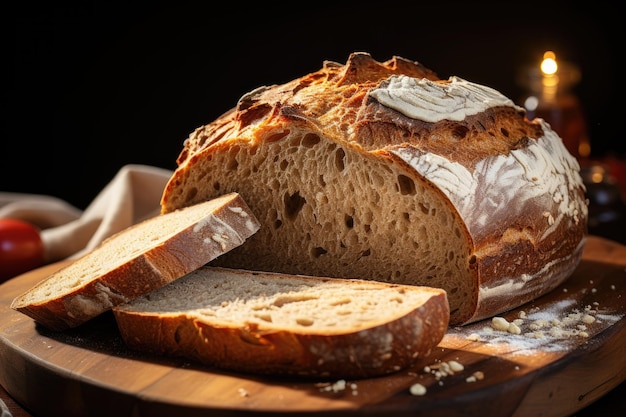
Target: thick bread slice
(277,324)
(378,170)
(138,260)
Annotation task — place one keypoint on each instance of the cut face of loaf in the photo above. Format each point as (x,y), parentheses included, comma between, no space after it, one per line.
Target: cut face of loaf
(381,171)
(137,260)
(279,324)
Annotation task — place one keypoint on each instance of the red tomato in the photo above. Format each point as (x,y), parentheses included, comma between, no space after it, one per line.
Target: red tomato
(21,248)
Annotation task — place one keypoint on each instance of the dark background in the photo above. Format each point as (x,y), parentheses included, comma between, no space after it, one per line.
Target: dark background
(101,84)
(98,85)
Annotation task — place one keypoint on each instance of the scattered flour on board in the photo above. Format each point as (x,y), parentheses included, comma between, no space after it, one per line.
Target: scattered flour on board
(554,328)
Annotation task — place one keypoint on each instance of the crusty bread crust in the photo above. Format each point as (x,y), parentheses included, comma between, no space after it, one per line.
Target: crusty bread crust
(327,328)
(138,260)
(351,178)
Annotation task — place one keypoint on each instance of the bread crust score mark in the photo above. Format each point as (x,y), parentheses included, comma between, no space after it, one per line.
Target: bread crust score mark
(138,260)
(383,171)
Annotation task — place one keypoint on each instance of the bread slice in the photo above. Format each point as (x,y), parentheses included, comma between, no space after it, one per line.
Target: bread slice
(138,260)
(277,324)
(382,171)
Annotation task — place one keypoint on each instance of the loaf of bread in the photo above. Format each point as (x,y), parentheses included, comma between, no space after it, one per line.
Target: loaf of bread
(382,171)
(277,324)
(138,260)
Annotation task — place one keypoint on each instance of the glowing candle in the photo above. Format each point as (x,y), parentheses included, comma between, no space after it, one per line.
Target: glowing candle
(550,97)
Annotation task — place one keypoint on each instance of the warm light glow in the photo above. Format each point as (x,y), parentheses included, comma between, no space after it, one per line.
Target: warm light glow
(597,177)
(597,174)
(584,148)
(549,65)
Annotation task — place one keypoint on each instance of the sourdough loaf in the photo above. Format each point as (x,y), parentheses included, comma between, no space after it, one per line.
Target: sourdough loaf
(382,171)
(138,260)
(277,324)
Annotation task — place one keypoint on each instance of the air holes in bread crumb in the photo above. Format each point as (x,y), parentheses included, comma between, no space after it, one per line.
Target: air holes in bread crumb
(191,193)
(406,185)
(376,179)
(304,321)
(264,316)
(341,301)
(232,163)
(349,221)
(310,140)
(293,205)
(294,298)
(340,155)
(318,251)
(273,217)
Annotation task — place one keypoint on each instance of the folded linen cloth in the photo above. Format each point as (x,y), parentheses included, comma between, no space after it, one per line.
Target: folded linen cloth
(67,232)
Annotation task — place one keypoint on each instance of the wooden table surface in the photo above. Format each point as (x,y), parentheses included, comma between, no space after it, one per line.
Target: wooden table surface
(577,371)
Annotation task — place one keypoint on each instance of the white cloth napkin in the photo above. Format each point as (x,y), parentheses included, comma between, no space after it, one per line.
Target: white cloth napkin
(133,195)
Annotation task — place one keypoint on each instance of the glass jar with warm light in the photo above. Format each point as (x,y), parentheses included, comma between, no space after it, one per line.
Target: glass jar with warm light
(550,97)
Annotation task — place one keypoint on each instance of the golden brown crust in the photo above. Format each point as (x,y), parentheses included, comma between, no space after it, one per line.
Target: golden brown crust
(350,81)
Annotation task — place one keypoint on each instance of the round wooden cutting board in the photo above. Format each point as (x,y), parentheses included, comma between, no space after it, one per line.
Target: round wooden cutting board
(559,354)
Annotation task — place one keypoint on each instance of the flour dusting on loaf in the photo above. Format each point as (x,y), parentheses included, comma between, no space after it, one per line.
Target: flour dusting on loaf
(383,171)
(433,102)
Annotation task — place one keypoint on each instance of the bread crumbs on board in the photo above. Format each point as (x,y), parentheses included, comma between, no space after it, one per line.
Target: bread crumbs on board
(338,386)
